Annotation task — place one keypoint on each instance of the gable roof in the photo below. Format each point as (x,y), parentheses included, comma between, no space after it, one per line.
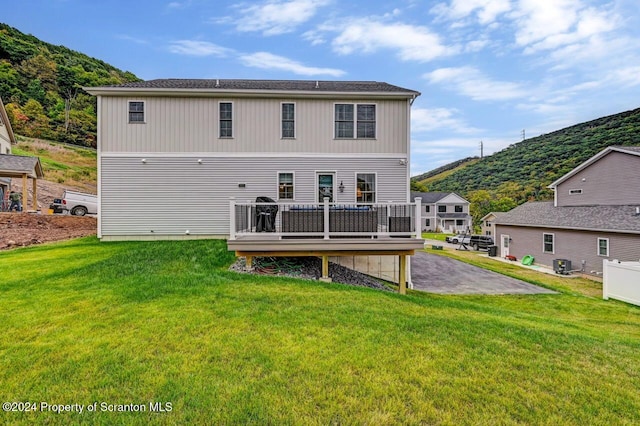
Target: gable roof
(4,118)
(632,150)
(433,197)
(494,214)
(18,165)
(543,214)
(227,86)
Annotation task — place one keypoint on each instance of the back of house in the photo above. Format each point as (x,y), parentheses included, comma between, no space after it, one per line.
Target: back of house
(171,153)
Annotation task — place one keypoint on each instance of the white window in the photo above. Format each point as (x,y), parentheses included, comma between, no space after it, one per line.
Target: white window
(603,247)
(361,125)
(366,188)
(288,125)
(548,243)
(575,191)
(285,186)
(226,119)
(136,112)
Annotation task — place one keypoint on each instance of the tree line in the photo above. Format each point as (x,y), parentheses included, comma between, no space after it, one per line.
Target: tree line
(41,86)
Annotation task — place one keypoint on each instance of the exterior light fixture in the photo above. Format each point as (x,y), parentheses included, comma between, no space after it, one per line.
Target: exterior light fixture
(341,187)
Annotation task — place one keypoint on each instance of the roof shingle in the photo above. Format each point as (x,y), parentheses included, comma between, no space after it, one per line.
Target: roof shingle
(268,85)
(594,218)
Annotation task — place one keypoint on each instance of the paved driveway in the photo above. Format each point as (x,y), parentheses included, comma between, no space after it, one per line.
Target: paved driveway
(439,274)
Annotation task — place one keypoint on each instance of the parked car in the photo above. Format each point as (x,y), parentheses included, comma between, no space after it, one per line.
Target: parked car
(457,239)
(79,203)
(478,242)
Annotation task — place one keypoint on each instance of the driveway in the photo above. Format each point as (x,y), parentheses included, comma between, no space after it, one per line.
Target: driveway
(439,274)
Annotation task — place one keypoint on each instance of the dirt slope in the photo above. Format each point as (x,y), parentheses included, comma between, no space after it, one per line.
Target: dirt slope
(23,229)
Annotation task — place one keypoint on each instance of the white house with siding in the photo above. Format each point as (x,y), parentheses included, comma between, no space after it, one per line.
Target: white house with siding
(172,152)
(595,215)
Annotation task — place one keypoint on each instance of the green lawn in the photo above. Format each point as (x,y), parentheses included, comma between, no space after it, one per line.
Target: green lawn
(138,322)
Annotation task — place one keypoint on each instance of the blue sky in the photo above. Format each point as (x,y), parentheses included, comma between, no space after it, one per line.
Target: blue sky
(487,69)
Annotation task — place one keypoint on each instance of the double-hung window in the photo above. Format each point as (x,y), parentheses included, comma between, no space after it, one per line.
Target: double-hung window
(285,186)
(355,121)
(136,112)
(366,188)
(226,120)
(288,120)
(603,247)
(548,243)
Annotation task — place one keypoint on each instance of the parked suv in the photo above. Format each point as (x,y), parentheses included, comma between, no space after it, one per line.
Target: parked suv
(478,242)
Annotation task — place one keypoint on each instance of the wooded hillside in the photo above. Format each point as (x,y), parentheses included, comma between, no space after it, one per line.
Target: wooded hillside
(522,171)
(41,86)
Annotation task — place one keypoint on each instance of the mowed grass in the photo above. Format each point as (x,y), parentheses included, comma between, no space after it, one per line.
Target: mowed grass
(127,323)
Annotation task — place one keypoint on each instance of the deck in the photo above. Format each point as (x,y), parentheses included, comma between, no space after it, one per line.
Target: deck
(326,229)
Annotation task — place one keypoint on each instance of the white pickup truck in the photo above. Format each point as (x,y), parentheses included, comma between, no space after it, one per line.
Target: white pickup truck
(79,203)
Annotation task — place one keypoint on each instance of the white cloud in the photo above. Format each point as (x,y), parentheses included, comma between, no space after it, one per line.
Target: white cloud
(548,25)
(277,17)
(197,48)
(265,60)
(429,119)
(412,43)
(469,81)
(486,11)
(178,4)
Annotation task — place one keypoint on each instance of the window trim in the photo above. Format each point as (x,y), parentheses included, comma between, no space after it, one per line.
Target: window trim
(598,247)
(233,119)
(576,191)
(458,206)
(144,111)
(293,184)
(282,136)
(355,121)
(553,243)
(375,187)
(442,205)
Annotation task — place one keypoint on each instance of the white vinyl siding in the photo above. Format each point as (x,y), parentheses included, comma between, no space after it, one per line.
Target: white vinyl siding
(212,182)
(184,125)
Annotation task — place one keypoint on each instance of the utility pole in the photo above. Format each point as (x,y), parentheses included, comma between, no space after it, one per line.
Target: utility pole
(523,136)
(481,150)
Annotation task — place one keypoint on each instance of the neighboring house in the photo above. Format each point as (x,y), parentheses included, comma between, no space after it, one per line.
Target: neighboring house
(444,212)
(7,139)
(595,215)
(172,152)
(488,223)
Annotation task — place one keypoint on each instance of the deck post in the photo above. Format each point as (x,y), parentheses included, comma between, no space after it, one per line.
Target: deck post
(232,218)
(418,217)
(326,217)
(248,262)
(325,270)
(402,281)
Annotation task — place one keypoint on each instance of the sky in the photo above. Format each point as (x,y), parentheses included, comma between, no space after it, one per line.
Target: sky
(490,72)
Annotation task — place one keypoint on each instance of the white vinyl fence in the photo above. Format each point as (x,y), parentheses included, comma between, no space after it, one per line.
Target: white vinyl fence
(621,281)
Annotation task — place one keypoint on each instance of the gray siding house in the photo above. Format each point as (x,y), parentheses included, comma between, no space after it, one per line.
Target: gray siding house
(6,140)
(595,215)
(172,152)
(444,212)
